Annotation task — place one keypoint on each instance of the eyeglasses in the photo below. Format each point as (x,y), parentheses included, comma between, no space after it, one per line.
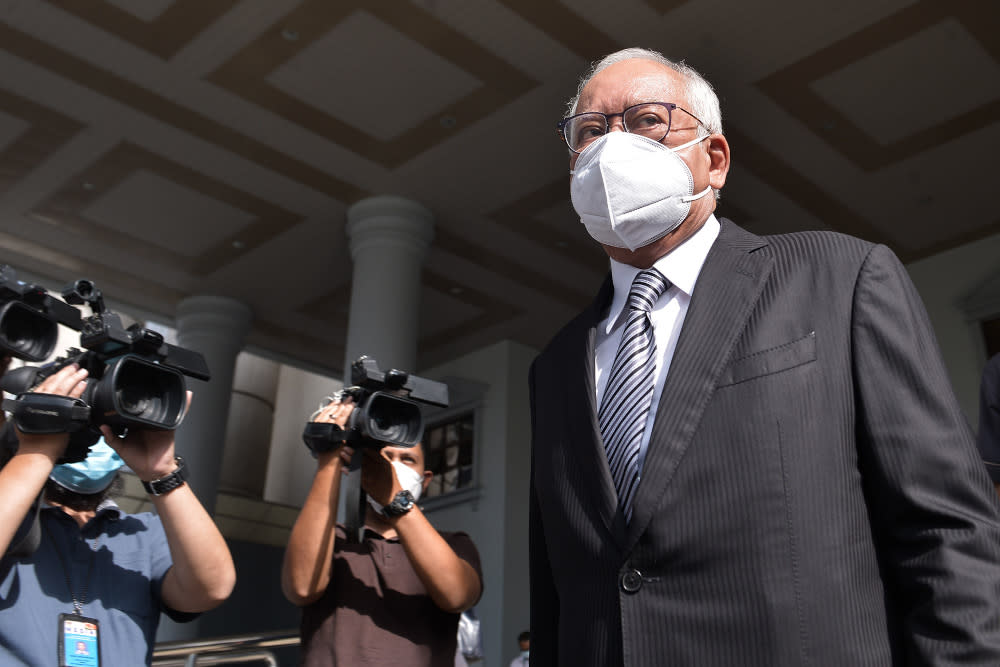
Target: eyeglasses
(649,119)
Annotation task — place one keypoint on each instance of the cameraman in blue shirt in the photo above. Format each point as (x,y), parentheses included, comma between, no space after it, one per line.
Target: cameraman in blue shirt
(100,576)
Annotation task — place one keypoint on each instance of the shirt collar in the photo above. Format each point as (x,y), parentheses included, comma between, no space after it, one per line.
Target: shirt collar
(111,508)
(371,533)
(680,266)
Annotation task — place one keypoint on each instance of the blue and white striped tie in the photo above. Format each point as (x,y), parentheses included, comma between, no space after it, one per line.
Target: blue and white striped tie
(629,392)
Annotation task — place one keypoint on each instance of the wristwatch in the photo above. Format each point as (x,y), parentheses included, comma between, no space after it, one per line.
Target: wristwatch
(400,505)
(165,485)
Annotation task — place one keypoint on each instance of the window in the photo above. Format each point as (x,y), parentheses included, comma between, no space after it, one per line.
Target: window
(448,453)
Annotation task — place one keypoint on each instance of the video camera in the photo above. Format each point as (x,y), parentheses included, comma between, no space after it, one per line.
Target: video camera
(387,410)
(135,379)
(30,318)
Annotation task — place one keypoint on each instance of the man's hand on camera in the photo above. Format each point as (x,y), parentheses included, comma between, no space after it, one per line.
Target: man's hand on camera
(149,453)
(336,412)
(69,381)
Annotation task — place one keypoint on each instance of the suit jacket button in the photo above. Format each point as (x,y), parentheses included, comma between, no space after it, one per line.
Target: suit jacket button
(631,581)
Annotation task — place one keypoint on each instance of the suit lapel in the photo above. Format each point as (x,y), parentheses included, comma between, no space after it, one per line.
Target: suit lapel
(729,285)
(585,432)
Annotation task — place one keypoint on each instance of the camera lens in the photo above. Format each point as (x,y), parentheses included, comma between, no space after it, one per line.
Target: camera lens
(133,400)
(27,333)
(149,392)
(393,420)
(385,428)
(134,392)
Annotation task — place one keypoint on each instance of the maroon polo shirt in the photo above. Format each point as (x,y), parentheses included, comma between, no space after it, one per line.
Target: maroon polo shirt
(376,611)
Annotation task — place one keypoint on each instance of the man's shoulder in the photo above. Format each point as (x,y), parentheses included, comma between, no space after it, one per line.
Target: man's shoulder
(455,536)
(822,243)
(819,241)
(462,544)
(811,252)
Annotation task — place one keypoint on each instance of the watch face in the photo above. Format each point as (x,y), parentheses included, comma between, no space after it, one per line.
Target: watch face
(401,504)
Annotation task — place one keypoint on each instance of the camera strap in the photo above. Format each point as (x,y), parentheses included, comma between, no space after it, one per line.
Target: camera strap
(355,502)
(47,413)
(322,437)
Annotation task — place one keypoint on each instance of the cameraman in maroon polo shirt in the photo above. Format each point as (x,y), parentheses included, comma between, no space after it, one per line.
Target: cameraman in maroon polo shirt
(395,597)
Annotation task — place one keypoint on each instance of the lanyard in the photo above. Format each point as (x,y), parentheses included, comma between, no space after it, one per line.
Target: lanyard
(77,602)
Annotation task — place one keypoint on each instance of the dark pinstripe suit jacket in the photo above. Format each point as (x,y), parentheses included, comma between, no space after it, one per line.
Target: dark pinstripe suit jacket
(812,493)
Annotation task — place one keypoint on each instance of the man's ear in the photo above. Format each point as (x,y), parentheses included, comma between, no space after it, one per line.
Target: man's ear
(428,474)
(718,155)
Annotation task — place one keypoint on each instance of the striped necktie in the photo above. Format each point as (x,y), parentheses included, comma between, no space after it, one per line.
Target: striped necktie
(629,392)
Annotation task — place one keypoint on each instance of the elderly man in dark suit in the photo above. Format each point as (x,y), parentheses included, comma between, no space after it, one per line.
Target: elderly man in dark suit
(746,451)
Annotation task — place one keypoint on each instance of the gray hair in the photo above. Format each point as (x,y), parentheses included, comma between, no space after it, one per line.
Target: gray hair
(700,95)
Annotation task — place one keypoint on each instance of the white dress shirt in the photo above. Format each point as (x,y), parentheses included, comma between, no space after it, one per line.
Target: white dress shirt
(681,267)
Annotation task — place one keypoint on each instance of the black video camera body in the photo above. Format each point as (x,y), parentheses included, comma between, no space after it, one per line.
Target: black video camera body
(387,409)
(135,380)
(30,318)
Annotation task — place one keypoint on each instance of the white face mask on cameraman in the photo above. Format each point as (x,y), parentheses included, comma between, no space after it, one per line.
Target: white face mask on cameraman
(630,190)
(409,479)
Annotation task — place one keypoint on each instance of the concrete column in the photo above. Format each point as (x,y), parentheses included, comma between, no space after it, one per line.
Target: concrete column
(290,466)
(248,428)
(216,327)
(388,237)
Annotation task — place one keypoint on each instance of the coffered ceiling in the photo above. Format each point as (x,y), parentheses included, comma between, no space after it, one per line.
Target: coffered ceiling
(167,148)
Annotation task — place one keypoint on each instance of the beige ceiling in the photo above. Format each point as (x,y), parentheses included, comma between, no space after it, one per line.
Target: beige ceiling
(167,148)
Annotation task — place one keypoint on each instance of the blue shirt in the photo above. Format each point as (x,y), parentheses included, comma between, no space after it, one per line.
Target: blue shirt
(129,562)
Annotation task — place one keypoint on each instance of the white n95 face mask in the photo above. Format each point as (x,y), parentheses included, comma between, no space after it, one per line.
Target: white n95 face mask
(630,191)
(409,479)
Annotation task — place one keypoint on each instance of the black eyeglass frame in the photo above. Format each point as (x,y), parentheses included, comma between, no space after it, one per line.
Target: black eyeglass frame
(670,106)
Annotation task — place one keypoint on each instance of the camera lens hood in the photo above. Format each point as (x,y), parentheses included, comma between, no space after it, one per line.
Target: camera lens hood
(137,392)
(48,413)
(27,332)
(389,419)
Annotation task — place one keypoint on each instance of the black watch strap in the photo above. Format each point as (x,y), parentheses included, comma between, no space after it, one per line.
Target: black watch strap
(165,485)
(400,505)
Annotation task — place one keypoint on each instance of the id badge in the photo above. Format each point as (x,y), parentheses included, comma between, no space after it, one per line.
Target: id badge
(79,641)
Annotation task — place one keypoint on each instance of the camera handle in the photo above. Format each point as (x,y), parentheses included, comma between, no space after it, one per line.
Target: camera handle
(323,437)
(48,413)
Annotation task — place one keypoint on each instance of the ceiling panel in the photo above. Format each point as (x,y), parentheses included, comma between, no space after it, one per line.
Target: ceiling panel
(175,148)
